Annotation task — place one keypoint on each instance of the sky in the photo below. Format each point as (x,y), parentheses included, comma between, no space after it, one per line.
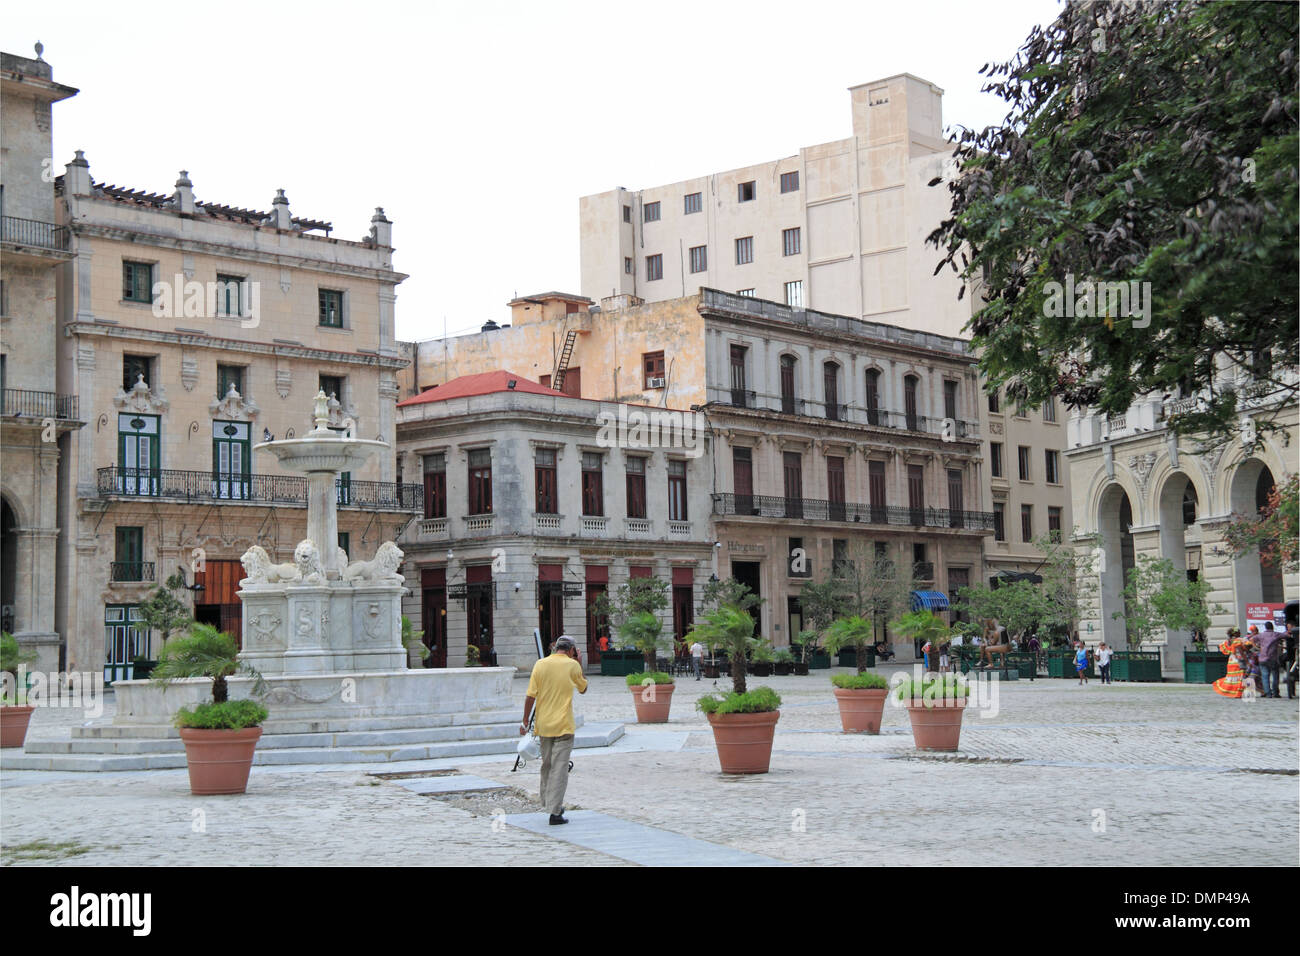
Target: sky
(477,126)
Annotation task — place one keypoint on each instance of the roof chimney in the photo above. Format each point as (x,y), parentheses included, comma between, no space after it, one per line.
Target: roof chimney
(280,217)
(76,176)
(183,198)
(381,230)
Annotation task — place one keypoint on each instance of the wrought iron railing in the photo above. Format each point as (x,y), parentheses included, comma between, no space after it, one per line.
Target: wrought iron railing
(20,401)
(952,428)
(203,486)
(132,571)
(33,232)
(820,509)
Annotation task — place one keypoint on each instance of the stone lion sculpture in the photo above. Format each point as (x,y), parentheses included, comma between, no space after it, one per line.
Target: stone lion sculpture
(307,559)
(257,565)
(382,570)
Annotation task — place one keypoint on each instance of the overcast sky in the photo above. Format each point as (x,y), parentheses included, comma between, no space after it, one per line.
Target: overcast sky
(478,125)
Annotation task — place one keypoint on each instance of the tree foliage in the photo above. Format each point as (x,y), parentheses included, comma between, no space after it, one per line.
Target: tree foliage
(1145,142)
(1158,595)
(635,605)
(865,585)
(1274,532)
(729,628)
(165,610)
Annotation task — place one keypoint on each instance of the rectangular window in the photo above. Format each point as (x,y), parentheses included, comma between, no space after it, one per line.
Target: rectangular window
(738,375)
(128,560)
(994,404)
(876,490)
(744,250)
(693,203)
(794,294)
(435,486)
(1023,452)
(831,389)
(699,258)
(480,482)
(746,293)
(635,468)
(136,368)
(677,491)
(742,480)
(1051,466)
(137,454)
(1054,523)
(835,488)
(231,459)
(999,521)
(228,377)
(654,268)
(745,192)
(792,471)
(956,508)
(627,265)
(840,563)
(916,491)
(949,399)
(137,281)
(593,491)
(873,397)
(1049,410)
(544,470)
(797,559)
(231,299)
(331,308)
(790,182)
(790,242)
(332,386)
(627,213)
(650,212)
(787,384)
(652,364)
(911,409)
(1026,523)
(995,459)
(345,542)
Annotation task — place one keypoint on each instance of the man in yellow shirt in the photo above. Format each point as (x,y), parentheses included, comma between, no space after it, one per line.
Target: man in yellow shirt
(550,688)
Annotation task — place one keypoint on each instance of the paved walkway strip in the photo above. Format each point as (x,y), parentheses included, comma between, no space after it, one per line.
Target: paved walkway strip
(455,783)
(635,842)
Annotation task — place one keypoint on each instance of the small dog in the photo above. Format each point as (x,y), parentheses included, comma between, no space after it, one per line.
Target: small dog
(1249,690)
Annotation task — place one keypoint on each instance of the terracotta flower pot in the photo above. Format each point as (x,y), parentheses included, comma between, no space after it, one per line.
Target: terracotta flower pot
(13,724)
(219,760)
(653,711)
(744,741)
(936,728)
(860,710)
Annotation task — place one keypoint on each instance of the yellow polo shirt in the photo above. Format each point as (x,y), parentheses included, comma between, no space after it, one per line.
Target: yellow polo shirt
(551,687)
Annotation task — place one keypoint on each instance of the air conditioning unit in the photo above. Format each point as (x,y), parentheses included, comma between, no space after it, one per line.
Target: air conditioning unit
(656,383)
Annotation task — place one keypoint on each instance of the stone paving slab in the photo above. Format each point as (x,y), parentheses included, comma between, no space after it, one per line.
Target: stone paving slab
(635,842)
(456,783)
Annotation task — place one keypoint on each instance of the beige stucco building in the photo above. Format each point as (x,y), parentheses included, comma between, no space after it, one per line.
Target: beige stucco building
(191,331)
(36,419)
(1144,490)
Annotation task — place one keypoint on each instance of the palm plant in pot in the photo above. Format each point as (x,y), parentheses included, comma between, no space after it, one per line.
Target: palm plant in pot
(15,712)
(860,696)
(935,704)
(743,721)
(219,736)
(782,661)
(763,657)
(652,691)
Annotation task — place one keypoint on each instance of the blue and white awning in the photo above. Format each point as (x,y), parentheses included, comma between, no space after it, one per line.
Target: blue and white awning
(929,601)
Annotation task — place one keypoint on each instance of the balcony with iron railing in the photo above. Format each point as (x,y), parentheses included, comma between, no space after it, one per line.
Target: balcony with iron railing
(205,487)
(946,428)
(849,512)
(128,571)
(23,403)
(33,235)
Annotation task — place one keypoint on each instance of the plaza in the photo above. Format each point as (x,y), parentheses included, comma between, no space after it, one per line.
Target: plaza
(1121,774)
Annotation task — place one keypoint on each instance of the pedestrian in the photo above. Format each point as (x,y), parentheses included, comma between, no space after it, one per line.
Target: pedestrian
(1290,668)
(697,658)
(1270,646)
(1081,662)
(1035,646)
(925,653)
(550,688)
(943,659)
(604,643)
(1234,648)
(1103,662)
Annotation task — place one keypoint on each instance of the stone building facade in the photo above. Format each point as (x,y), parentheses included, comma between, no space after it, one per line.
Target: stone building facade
(1139,489)
(190,332)
(534,503)
(36,419)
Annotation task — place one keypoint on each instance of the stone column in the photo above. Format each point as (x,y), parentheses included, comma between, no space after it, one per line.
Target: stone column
(323,519)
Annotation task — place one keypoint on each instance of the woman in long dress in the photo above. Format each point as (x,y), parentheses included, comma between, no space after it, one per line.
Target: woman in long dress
(1236,648)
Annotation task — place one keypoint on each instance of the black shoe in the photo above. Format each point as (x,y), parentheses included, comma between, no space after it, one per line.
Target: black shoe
(557,819)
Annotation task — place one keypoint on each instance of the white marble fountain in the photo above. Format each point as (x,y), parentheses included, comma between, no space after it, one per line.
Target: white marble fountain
(326,636)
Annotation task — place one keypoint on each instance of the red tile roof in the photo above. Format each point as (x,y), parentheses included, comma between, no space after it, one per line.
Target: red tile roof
(485,383)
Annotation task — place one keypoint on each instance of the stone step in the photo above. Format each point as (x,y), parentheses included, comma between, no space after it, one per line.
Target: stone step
(595,735)
(275,741)
(336,725)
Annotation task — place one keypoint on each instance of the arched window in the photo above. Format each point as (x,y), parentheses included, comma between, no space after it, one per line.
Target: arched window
(789,404)
(831,378)
(910,384)
(873,396)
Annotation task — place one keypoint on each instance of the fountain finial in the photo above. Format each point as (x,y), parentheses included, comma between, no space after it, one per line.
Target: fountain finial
(322,417)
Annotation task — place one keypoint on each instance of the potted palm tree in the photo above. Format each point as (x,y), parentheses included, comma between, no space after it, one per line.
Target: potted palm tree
(763,657)
(860,696)
(15,712)
(935,704)
(782,661)
(652,691)
(220,736)
(743,721)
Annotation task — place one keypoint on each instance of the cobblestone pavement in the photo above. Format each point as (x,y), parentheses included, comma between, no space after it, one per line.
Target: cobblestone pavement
(1124,774)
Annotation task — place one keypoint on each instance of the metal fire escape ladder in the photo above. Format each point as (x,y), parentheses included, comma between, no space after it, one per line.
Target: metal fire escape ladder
(562,366)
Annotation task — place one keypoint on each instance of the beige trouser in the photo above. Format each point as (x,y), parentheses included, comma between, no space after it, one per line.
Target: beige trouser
(555,771)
